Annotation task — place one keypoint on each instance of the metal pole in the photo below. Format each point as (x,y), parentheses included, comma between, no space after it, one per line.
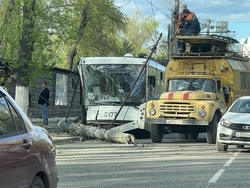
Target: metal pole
(208,26)
(175,25)
(152,51)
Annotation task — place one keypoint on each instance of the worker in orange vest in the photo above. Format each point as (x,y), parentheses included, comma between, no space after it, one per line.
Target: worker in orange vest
(190,25)
(181,16)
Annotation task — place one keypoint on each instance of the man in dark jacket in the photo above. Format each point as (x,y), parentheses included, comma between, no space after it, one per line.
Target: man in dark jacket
(189,26)
(44,102)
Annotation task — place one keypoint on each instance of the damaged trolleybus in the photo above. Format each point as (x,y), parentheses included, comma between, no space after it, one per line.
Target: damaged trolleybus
(107,82)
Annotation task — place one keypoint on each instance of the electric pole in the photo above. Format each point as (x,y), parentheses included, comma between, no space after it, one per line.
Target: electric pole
(174,29)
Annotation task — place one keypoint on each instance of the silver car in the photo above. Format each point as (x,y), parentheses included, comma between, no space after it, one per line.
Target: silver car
(234,126)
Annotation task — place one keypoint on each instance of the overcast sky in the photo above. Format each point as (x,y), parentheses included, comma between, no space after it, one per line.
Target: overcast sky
(235,12)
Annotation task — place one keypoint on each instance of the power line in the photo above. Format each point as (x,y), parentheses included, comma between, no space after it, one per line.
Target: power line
(153,12)
(125,4)
(159,9)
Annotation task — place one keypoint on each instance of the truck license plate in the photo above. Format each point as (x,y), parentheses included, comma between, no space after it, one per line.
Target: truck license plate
(173,121)
(242,134)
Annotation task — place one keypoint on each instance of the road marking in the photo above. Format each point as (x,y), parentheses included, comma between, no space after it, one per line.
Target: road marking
(229,161)
(216,176)
(221,171)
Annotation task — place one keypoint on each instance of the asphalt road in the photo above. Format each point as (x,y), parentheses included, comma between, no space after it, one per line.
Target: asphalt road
(172,163)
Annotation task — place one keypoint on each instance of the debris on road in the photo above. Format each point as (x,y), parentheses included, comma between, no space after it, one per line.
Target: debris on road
(96,132)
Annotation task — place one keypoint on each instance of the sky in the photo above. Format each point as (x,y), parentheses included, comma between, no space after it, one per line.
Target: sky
(234,13)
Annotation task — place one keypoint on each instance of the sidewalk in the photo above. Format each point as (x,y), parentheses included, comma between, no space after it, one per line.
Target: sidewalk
(59,137)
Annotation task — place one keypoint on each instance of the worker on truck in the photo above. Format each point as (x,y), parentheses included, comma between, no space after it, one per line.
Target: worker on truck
(200,85)
(181,16)
(188,25)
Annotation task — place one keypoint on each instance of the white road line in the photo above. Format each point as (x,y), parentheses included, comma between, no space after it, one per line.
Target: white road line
(216,176)
(221,171)
(229,161)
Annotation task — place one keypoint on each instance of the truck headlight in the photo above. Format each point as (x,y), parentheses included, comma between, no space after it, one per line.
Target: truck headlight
(225,123)
(202,113)
(152,111)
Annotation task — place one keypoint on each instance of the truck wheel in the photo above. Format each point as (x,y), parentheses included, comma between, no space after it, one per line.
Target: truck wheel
(211,130)
(183,135)
(156,133)
(221,147)
(193,136)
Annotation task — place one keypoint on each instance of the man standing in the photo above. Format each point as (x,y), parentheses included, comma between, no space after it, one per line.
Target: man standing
(44,102)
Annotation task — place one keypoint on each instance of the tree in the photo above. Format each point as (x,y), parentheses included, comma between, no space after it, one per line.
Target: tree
(35,34)
(25,53)
(140,34)
(93,29)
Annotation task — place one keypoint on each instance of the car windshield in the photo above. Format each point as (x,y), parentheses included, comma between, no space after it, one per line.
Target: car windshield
(110,83)
(241,106)
(184,84)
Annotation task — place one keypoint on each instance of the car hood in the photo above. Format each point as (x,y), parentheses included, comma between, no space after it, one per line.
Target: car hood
(237,117)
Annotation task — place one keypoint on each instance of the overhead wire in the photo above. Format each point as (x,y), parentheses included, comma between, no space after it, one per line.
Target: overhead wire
(125,4)
(153,12)
(142,19)
(159,9)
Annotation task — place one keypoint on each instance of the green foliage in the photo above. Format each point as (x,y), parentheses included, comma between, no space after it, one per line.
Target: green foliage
(93,27)
(140,35)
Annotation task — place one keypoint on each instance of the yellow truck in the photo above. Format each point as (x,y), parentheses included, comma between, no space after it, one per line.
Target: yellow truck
(200,84)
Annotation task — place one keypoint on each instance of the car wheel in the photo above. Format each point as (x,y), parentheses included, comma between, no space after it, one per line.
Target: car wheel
(240,146)
(156,133)
(183,135)
(193,136)
(211,130)
(37,183)
(221,147)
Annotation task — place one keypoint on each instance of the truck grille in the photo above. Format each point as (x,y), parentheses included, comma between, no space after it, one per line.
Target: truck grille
(176,109)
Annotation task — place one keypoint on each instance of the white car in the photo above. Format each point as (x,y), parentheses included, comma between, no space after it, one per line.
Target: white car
(234,126)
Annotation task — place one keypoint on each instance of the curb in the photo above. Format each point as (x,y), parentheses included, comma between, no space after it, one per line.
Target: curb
(61,140)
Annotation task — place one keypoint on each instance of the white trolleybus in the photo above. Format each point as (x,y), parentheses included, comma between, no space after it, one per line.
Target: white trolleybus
(108,81)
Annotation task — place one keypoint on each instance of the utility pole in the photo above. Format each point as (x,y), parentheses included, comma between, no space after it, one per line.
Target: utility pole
(175,25)
(208,26)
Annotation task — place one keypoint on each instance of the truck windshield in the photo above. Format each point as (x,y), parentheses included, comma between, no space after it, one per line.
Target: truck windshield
(184,84)
(111,83)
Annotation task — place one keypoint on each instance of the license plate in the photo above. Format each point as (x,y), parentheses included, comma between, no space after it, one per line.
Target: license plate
(242,134)
(173,121)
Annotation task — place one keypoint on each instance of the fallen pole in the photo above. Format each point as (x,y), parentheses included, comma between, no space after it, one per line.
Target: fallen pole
(96,132)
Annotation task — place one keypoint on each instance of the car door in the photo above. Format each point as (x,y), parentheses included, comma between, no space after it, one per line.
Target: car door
(14,147)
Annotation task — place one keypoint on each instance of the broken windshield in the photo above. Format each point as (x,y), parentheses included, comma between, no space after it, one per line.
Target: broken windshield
(184,84)
(111,83)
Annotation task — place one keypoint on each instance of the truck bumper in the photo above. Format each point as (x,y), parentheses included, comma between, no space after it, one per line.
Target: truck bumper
(168,121)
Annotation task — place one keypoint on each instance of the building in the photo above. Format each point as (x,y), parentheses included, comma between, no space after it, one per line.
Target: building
(64,101)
